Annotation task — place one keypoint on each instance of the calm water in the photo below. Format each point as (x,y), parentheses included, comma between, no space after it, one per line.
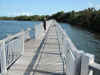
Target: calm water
(83,39)
(12,27)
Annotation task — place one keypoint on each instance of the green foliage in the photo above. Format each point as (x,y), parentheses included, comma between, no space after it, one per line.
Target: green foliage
(88,18)
(24,18)
(6,18)
(57,16)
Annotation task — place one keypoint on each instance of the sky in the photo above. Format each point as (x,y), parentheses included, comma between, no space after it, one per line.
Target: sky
(43,7)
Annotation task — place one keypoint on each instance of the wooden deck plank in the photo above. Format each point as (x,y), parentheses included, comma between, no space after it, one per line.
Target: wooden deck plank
(43,61)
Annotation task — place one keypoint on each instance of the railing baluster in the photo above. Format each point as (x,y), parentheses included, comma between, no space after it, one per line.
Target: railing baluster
(22,43)
(11,48)
(86,60)
(77,62)
(3,58)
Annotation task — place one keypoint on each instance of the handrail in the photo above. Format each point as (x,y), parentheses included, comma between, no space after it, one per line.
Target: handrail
(17,34)
(1,41)
(67,49)
(81,62)
(11,48)
(77,62)
(95,65)
(68,40)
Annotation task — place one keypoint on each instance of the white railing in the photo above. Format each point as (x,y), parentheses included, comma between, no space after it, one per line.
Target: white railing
(11,48)
(76,61)
(38,30)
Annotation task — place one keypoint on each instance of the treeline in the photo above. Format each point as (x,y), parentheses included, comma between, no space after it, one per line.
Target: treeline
(24,18)
(6,18)
(88,18)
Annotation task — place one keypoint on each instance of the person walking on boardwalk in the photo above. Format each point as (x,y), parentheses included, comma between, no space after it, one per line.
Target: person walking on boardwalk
(44,24)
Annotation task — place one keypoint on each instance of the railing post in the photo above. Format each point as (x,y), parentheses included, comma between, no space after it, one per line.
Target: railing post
(92,57)
(85,61)
(38,31)
(3,58)
(28,34)
(22,38)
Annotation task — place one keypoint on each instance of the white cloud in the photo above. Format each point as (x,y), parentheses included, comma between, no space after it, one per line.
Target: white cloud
(25,13)
(20,13)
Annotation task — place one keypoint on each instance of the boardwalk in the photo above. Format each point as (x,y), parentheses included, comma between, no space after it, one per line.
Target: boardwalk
(51,53)
(39,59)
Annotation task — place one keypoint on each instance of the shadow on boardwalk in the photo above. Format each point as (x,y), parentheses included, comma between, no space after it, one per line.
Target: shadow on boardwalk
(32,68)
(47,60)
(34,59)
(46,72)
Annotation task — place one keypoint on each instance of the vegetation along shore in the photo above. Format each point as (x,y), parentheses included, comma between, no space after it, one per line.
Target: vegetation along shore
(87,18)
